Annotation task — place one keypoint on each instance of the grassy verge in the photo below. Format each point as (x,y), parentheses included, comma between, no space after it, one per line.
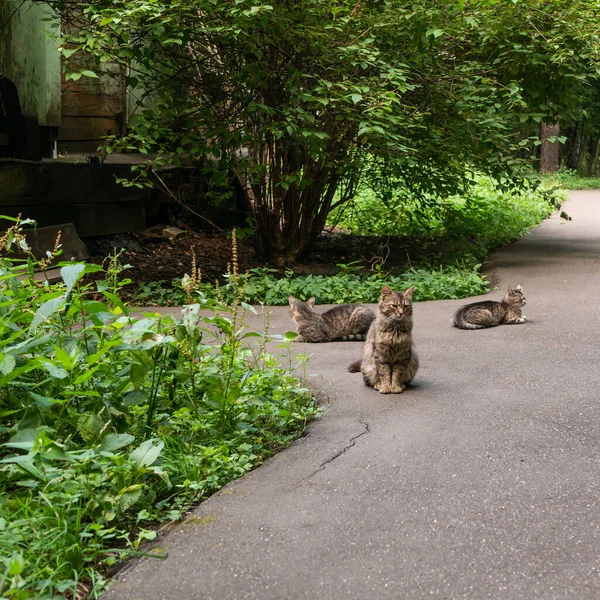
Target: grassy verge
(456,235)
(571,180)
(110,424)
(462,227)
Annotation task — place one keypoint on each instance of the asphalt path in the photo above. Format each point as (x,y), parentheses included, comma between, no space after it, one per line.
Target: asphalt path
(481,481)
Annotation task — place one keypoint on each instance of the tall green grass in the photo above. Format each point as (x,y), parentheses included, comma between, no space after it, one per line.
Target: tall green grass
(571,180)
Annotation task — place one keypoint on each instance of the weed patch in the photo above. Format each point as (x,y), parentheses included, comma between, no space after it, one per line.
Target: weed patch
(110,423)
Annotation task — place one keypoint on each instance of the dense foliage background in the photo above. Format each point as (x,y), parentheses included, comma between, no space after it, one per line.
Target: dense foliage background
(300,102)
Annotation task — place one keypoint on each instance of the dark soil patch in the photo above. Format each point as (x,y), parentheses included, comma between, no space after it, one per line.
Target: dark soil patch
(337,247)
(159,260)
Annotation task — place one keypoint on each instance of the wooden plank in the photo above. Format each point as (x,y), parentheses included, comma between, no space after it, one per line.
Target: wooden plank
(91,219)
(57,183)
(87,128)
(69,147)
(90,105)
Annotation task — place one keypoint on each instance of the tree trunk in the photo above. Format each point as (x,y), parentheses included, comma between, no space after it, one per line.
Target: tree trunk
(550,150)
(592,167)
(572,147)
(288,218)
(583,151)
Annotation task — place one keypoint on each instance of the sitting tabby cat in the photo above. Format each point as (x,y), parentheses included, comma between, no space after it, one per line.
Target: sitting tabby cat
(389,361)
(343,322)
(490,313)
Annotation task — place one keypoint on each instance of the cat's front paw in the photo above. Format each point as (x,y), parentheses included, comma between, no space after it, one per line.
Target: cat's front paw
(397,389)
(522,319)
(384,388)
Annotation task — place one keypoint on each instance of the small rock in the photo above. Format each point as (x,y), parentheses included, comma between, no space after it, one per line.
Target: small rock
(172,233)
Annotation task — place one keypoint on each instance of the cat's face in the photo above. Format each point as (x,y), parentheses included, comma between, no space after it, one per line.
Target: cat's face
(396,305)
(300,309)
(515,296)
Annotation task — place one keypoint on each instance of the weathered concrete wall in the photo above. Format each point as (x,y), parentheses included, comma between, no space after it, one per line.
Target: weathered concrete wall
(29,57)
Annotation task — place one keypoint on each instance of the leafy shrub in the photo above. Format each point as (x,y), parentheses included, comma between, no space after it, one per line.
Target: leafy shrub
(456,235)
(488,216)
(110,421)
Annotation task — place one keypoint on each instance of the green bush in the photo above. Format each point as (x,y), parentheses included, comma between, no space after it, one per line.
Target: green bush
(109,421)
(488,216)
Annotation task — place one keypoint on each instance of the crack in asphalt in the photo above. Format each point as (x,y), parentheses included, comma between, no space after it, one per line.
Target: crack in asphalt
(351,444)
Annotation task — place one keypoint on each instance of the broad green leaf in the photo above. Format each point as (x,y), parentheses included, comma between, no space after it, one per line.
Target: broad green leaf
(90,427)
(146,453)
(24,462)
(129,496)
(249,307)
(16,564)
(64,358)
(44,401)
(7,364)
(71,274)
(45,311)
(54,370)
(115,300)
(86,375)
(115,441)
(189,317)
(24,439)
(135,398)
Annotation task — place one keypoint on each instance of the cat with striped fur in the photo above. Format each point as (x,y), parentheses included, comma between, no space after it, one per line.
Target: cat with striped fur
(390,361)
(344,322)
(489,313)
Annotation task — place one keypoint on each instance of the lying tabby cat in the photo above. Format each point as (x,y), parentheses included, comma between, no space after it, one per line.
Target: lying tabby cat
(389,361)
(343,322)
(490,313)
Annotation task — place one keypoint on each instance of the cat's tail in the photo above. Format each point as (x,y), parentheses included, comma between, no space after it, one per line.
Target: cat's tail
(354,337)
(355,366)
(462,324)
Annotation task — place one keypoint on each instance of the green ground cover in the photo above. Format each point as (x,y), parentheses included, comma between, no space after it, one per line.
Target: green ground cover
(111,423)
(571,180)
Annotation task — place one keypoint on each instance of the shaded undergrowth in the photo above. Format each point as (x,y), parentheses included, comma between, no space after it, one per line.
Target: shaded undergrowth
(451,238)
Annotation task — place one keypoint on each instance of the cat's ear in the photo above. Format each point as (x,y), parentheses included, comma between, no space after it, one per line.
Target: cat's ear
(292,300)
(519,288)
(409,292)
(510,291)
(311,302)
(385,291)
